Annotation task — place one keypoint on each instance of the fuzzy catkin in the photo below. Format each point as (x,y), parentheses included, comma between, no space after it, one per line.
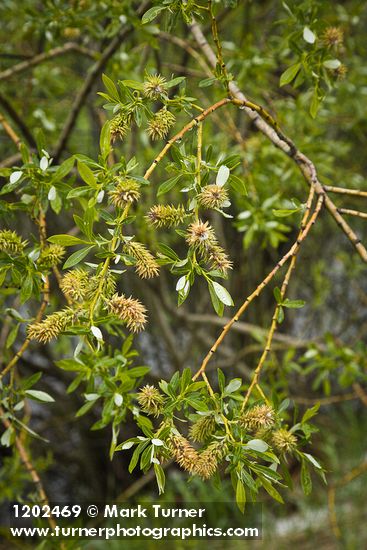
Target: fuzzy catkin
(145,263)
(129,310)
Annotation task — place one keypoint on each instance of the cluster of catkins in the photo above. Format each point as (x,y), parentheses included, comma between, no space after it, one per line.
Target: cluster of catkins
(49,256)
(154,89)
(80,287)
(261,421)
(203,462)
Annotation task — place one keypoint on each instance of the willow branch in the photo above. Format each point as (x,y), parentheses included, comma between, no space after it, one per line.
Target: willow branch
(12,113)
(45,56)
(356,213)
(283,291)
(266,125)
(259,289)
(345,191)
(9,130)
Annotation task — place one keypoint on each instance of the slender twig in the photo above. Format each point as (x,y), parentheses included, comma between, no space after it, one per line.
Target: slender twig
(345,191)
(259,289)
(10,161)
(12,113)
(348,212)
(9,130)
(45,56)
(325,400)
(218,45)
(283,290)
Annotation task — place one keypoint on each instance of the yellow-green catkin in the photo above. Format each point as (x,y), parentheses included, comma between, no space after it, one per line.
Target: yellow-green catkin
(202,429)
(184,453)
(51,326)
(284,441)
(150,400)
(160,124)
(154,87)
(166,215)
(145,263)
(200,235)
(76,284)
(129,310)
(51,256)
(125,192)
(119,126)
(210,458)
(212,196)
(333,37)
(11,242)
(258,417)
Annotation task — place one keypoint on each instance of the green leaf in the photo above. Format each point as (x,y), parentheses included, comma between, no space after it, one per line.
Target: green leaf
(186,378)
(110,87)
(77,257)
(27,288)
(167,251)
(257,445)
(85,408)
(284,212)
(233,386)
(217,304)
(240,496)
(63,170)
(134,84)
(306,480)
(293,304)
(6,437)
(31,381)
(315,104)
(37,395)
(152,14)
(137,372)
(167,185)
(66,240)
(280,316)
(12,336)
(175,81)
(309,36)
(136,454)
(310,413)
(160,477)
(237,184)
(87,175)
(289,74)
(222,294)
(207,82)
(105,139)
(277,295)
(313,460)
(270,489)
